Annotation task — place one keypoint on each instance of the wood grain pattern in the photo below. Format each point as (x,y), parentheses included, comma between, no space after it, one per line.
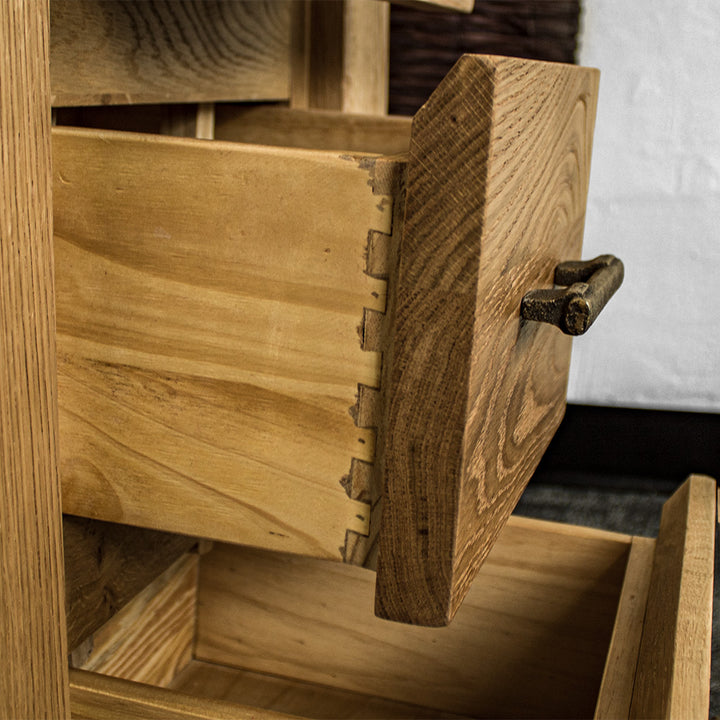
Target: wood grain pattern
(673,671)
(97,697)
(497,185)
(107,565)
(151,51)
(33,682)
(464,6)
(209,298)
(151,639)
(308,700)
(619,676)
(313,129)
(542,610)
(341,56)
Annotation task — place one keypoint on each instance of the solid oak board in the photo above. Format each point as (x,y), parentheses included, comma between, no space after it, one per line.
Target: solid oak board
(619,677)
(294,697)
(673,670)
(151,639)
(269,124)
(529,641)
(107,565)
(152,51)
(340,55)
(211,301)
(98,697)
(496,191)
(33,681)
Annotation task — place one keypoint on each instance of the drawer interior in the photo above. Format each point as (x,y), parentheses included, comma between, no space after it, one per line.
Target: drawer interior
(296,635)
(264,345)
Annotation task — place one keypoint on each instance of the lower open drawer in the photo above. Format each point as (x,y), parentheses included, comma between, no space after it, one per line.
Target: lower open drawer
(562,622)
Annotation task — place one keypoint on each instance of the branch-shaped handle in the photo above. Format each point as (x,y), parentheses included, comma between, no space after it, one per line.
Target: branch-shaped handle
(575,308)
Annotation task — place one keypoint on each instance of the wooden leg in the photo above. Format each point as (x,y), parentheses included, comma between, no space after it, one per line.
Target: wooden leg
(33,682)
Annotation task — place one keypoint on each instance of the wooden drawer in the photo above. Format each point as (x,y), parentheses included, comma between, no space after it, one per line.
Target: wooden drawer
(562,621)
(259,344)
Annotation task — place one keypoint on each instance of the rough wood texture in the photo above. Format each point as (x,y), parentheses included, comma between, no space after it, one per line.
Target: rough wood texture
(314,129)
(497,185)
(619,676)
(33,682)
(209,301)
(107,565)
(542,610)
(341,55)
(151,639)
(97,697)
(673,672)
(307,700)
(151,51)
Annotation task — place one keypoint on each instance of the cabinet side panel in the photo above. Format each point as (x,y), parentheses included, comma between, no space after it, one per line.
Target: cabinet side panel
(33,683)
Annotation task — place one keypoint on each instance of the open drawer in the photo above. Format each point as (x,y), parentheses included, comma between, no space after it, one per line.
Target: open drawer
(268,345)
(562,621)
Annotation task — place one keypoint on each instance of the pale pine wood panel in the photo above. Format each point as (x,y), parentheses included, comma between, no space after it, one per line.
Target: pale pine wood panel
(315,129)
(107,565)
(619,676)
(673,671)
(209,304)
(151,639)
(496,191)
(98,697)
(267,692)
(33,682)
(529,641)
(150,51)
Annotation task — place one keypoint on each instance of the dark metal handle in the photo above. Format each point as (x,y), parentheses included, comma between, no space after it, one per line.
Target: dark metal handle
(575,308)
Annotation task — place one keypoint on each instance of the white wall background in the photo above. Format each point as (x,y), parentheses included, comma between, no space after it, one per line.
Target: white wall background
(655,202)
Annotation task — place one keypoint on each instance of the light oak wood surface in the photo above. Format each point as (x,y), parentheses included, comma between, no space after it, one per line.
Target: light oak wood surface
(151,639)
(98,697)
(673,671)
(107,565)
(267,692)
(150,51)
(340,55)
(542,610)
(33,681)
(619,676)
(210,325)
(496,191)
(314,129)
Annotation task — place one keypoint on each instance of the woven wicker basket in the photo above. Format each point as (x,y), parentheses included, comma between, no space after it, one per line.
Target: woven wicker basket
(425,45)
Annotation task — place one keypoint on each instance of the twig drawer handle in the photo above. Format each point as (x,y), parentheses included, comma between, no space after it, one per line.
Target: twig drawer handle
(574,308)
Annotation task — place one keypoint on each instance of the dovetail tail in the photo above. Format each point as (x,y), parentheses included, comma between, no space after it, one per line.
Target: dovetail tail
(373,326)
(367,408)
(357,482)
(377,255)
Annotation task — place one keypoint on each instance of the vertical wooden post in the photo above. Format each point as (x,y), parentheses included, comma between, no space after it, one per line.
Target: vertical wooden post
(33,681)
(341,52)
